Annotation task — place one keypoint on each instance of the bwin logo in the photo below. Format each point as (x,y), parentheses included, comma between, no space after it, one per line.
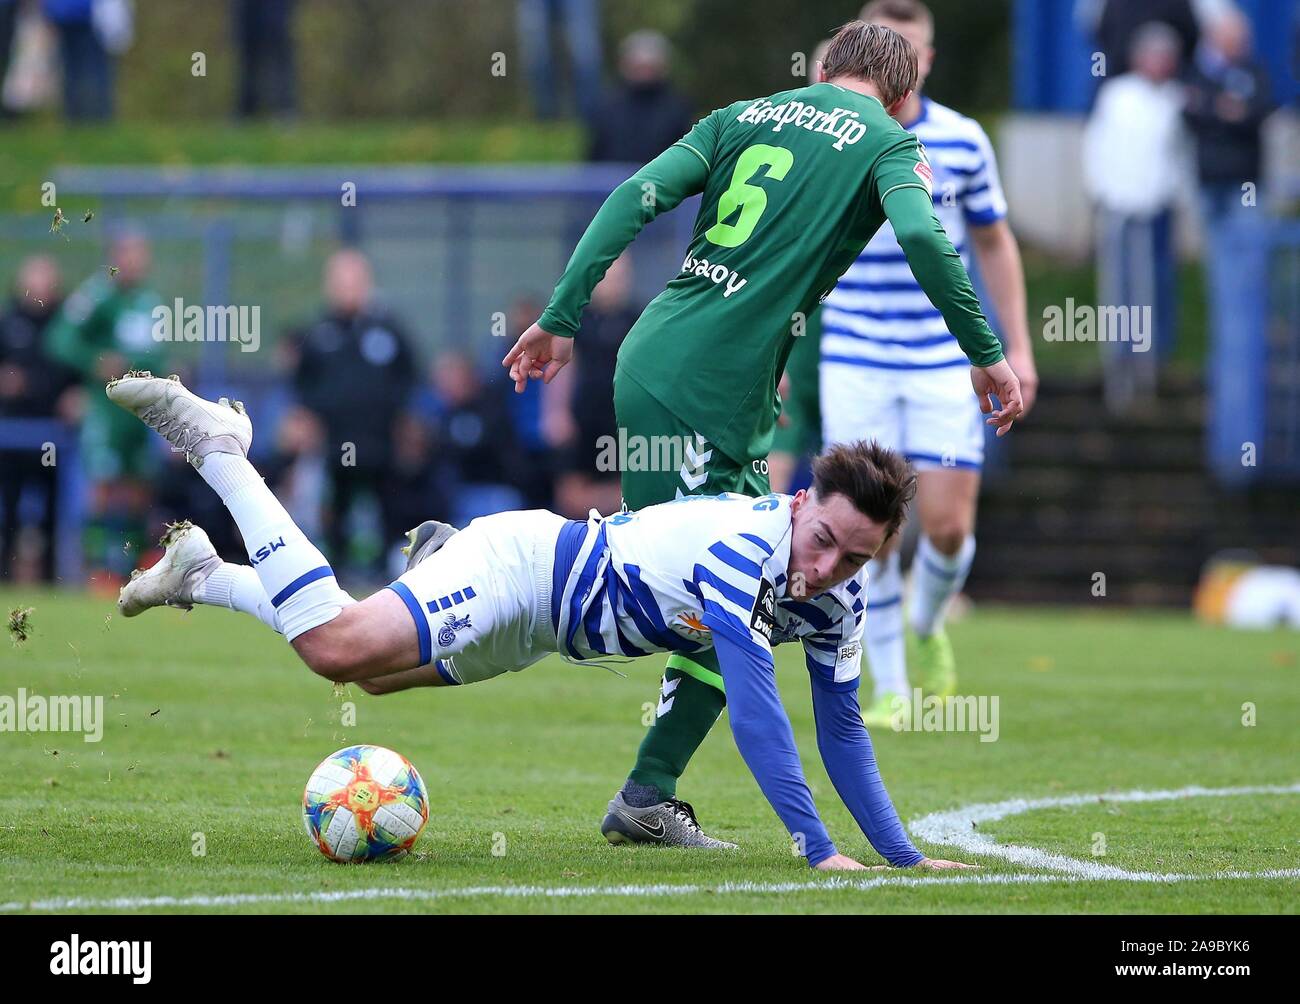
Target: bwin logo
(265,551)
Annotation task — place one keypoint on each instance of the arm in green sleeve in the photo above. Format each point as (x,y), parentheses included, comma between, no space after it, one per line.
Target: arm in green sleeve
(940,273)
(674,175)
(65,343)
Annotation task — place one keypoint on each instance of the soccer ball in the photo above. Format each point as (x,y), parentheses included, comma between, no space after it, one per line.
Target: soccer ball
(364,803)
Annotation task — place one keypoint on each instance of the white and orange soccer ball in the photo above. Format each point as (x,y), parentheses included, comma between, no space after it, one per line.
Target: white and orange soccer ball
(364,803)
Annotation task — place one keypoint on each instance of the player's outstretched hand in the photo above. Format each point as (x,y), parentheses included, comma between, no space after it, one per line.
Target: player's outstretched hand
(840,863)
(538,355)
(939,864)
(998,380)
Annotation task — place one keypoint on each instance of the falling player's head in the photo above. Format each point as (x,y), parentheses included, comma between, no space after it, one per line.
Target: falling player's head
(858,500)
(911,19)
(875,55)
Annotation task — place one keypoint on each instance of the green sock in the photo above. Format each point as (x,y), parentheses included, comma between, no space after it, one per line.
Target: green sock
(688,707)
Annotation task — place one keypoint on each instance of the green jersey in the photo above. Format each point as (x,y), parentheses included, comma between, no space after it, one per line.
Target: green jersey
(793,187)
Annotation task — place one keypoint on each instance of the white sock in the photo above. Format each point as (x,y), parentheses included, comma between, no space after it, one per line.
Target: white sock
(883,632)
(237,587)
(936,578)
(293,573)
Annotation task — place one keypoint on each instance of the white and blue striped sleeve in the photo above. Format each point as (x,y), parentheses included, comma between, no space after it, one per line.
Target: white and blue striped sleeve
(833,653)
(982,201)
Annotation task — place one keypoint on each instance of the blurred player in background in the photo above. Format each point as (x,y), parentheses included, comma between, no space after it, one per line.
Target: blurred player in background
(105,328)
(793,187)
(891,368)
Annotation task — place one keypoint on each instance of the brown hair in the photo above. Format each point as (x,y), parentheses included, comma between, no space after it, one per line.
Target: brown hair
(876,479)
(875,53)
(898,11)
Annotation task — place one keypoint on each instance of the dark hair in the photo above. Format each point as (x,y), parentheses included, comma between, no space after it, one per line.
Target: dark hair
(898,11)
(878,481)
(875,53)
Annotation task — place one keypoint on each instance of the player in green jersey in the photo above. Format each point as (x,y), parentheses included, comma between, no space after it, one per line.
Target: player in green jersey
(793,186)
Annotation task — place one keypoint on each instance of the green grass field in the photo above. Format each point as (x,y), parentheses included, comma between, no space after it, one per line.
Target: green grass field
(213,726)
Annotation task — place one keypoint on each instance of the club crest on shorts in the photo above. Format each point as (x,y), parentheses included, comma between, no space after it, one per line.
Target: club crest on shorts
(447,633)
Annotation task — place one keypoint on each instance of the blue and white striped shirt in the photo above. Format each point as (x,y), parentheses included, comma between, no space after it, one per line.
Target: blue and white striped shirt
(669,576)
(878,315)
(711,572)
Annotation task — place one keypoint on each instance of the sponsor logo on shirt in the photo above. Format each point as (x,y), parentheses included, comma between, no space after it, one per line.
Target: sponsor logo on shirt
(839,123)
(926,175)
(717,274)
(690,624)
(763,617)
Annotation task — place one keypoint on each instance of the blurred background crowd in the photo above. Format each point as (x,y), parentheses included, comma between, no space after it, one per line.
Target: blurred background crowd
(1147,148)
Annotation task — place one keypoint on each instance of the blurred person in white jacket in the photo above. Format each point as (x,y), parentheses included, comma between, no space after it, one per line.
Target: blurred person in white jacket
(1134,167)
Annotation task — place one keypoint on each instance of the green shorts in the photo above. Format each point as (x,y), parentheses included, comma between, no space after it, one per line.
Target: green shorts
(661,458)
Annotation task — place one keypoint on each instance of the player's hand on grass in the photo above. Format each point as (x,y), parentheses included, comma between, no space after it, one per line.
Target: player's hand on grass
(1022,365)
(538,355)
(939,864)
(998,380)
(839,863)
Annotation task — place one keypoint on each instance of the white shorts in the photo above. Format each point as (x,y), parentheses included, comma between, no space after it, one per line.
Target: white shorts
(482,602)
(930,416)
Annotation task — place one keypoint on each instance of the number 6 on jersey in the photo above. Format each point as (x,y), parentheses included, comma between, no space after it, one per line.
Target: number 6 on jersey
(749,199)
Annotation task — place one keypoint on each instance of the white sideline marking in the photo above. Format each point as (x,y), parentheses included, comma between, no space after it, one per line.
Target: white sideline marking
(953,829)
(580,892)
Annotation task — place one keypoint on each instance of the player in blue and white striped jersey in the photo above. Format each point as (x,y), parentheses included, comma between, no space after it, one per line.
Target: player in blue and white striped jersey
(891,370)
(731,573)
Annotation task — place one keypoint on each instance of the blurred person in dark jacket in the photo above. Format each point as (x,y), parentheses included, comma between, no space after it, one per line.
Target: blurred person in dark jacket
(578,407)
(32,385)
(354,372)
(475,442)
(644,115)
(1227,100)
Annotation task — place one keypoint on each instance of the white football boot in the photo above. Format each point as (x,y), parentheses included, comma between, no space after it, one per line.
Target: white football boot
(189,559)
(192,425)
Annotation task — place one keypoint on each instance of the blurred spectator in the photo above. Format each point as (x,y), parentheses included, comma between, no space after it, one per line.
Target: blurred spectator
(354,373)
(474,439)
(1133,167)
(263,35)
(645,115)
(103,330)
(536,474)
(578,407)
(416,491)
(1115,24)
(579,21)
(8,26)
(32,385)
(91,34)
(1227,100)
